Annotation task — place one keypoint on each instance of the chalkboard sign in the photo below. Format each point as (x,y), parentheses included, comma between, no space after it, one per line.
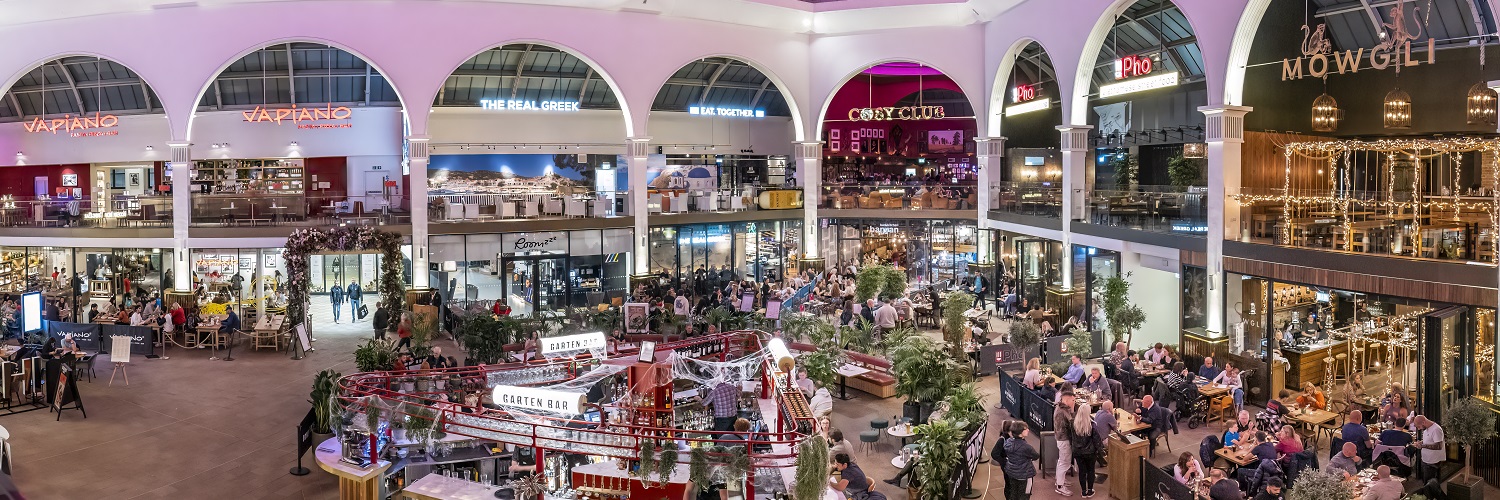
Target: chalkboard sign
(86,335)
(1038,411)
(1010,394)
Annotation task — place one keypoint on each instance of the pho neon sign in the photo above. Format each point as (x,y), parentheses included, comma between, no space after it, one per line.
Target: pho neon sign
(298,116)
(1158,81)
(1132,66)
(77,126)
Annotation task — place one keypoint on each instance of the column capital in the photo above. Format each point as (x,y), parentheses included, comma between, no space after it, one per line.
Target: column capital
(989,146)
(1224,123)
(1075,137)
(808,149)
(638,147)
(418,138)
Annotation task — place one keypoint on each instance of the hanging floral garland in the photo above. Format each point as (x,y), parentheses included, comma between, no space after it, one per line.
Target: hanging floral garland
(305,242)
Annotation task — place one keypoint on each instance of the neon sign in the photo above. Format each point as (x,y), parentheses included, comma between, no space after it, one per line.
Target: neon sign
(298,116)
(729,112)
(75,125)
(1163,80)
(1132,66)
(901,113)
(519,105)
(1037,105)
(1022,93)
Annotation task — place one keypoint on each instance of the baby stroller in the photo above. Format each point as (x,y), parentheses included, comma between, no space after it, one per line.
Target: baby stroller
(1191,404)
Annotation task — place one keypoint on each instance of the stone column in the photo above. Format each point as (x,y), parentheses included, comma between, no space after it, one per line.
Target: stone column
(1224,130)
(990,152)
(1075,162)
(417,157)
(637,150)
(182,214)
(810,177)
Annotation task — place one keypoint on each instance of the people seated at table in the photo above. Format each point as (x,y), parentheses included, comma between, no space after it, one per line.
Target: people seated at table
(1188,469)
(1270,419)
(851,478)
(231,323)
(1223,488)
(1157,355)
(1032,378)
(1312,396)
(1096,383)
(123,318)
(1208,371)
(1287,443)
(1397,435)
(138,318)
(1346,461)
(436,359)
(1231,379)
(1047,389)
(93,312)
(1385,487)
(1395,403)
(1231,436)
(1105,422)
(1155,415)
(1271,490)
(1354,432)
(1265,448)
(1075,371)
(821,402)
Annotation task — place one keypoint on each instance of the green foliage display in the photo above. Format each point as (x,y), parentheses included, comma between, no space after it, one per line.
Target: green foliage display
(821,366)
(1122,317)
(667,463)
(1185,172)
(1469,423)
(939,442)
(869,282)
(423,330)
(375,355)
(698,468)
(895,283)
(647,458)
(485,336)
(954,323)
(324,404)
(372,414)
(726,319)
(1125,167)
(924,371)
(861,338)
(812,468)
(1315,484)
(419,423)
(965,406)
(1080,342)
(1024,334)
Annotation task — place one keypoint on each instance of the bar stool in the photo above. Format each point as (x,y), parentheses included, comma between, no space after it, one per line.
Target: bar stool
(878,425)
(1340,365)
(867,440)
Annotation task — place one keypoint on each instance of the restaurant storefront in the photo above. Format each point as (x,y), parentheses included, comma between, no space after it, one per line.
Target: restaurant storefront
(83,276)
(931,251)
(761,250)
(532,272)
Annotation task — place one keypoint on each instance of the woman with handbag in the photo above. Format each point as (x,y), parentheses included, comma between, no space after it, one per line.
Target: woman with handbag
(1086,447)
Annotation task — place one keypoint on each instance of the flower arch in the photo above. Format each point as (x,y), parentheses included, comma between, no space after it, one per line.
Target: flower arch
(305,242)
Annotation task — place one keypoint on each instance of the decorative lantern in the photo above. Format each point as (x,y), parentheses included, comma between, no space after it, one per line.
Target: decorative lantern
(1326,114)
(1481,104)
(1397,109)
(1194,150)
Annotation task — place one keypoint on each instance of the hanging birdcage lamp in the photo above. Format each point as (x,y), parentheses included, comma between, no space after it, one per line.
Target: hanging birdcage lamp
(1398,109)
(1326,114)
(1481,104)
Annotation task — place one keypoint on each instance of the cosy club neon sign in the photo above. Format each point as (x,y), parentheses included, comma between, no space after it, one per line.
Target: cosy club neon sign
(298,116)
(1023,93)
(76,126)
(1132,66)
(893,113)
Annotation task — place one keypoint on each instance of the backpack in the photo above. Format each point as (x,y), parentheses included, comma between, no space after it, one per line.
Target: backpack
(997,454)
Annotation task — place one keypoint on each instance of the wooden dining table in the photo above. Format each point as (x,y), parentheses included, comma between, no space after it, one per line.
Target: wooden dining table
(1236,456)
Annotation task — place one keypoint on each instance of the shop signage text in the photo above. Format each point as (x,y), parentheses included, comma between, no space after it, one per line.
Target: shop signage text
(76,126)
(1027,107)
(520,105)
(1132,66)
(532,398)
(106,215)
(523,245)
(729,112)
(582,341)
(893,113)
(1320,64)
(1022,93)
(299,116)
(1157,81)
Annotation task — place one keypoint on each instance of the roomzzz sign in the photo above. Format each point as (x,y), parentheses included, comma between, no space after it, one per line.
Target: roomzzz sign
(301,117)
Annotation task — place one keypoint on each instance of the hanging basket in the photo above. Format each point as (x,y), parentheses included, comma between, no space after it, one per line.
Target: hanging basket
(1397,109)
(1481,105)
(1326,114)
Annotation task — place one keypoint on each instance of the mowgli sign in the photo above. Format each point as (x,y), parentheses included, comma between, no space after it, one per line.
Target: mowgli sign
(1394,51)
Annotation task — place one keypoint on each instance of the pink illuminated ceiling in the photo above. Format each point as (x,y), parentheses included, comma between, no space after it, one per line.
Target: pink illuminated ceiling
(829,5)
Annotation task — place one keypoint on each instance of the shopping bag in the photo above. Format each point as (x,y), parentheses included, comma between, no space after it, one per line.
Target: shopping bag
(363,311)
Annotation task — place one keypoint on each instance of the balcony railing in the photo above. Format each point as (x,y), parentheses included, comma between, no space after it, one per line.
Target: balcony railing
(717,200)
(1388,223)
(112,212)
(297,210)
(1161,209)
(1027,198)
(904,197)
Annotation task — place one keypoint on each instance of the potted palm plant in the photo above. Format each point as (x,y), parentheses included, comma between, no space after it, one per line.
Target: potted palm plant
(924,374)
(322,398)
(940,444)
(955,325)
(1469,422)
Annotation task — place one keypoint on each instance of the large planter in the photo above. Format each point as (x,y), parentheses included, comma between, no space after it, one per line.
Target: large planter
(1466,487)
(918,413)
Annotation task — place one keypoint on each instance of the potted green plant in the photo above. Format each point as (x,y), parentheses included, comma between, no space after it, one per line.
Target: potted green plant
(895,283)
(1469,422)
(1315,484)
(939,442)
(1025,336)
(323,401)
(869,282)
(375,355)
(822,365)
(812,468)
(965,405)
(955,325)
(423,330)
(485,336)
(1185,172)
(924,375)
(1080,342)
(1122,317)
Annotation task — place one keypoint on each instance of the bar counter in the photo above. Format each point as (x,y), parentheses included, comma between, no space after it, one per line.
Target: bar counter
(1307,361)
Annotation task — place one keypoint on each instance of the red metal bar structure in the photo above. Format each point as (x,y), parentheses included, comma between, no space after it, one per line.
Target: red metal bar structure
(793,423)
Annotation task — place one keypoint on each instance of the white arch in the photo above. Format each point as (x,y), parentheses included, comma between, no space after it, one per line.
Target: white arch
(1239,51)
(599,72)
(1084,78)
(193,107)
(16,77)
(828,101)
(798,126)
(1002,76)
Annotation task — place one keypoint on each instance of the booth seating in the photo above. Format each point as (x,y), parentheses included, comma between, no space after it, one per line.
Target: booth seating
(877,382)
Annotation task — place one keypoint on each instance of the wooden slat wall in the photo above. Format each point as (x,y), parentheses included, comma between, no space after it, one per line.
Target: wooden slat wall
(1263,163)
(1191,258)
(1423,290)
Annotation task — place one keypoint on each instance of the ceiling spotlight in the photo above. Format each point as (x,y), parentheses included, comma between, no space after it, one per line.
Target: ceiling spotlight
(294,144)
(150,148)
(18,153)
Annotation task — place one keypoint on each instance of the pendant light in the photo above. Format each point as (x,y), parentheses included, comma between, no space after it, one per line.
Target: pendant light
(1326,114)
(1481,104)
(1397,109)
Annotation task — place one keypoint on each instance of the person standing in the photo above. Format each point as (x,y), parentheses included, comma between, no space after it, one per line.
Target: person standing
(336,297)
(382,319)
(1434,451)
(725,401)
(1086,448)
(356,298)
(403,331)
(1062,426)
(1019,462)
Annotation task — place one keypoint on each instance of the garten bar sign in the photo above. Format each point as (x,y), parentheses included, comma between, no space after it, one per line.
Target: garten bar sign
(895,113)
(578,342)
(532,398)
(303,118)
(76,126)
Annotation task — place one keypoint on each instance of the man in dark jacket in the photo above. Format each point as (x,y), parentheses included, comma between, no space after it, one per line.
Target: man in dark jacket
(336,297)
(356,298)
(1223,488)
(1157,416)
(382,320)
(1020,460)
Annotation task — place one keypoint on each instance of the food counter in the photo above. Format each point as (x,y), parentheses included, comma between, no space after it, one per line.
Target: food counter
(1307,361)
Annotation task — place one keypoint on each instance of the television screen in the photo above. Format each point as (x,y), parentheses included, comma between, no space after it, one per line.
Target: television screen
(31,312)
(1035,161)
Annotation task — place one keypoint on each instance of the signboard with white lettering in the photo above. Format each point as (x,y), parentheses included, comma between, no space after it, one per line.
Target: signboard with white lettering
(577,342)
(532,398)
(86,335)
(140,337)
(548,242)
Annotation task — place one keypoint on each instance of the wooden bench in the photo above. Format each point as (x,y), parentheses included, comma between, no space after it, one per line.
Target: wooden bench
(878,382)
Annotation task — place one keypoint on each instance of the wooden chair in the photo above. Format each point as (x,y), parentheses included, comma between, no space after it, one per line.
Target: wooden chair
(1222,408)
(263,339)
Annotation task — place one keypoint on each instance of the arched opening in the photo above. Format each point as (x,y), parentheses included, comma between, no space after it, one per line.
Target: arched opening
(899,141)
(724,132)
(528,131)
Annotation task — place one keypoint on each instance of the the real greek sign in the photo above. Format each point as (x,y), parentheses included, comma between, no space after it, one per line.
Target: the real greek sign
(531,398)
(578,342)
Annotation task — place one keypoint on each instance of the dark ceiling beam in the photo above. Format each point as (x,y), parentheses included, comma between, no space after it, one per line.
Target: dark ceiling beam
(291,80)
(1186,41)
(77,96)
(255,75)
(689,82)
(82,85)
(755,102)
(515,85)
(718,72)
(1161,39)
(530,74)
(584,88)
(1365,5)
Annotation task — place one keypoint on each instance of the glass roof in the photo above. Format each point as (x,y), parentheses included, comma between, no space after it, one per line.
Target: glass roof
(528,72)
(1155,29)
(720,82)
(78,85)
(1352,24)
(1033,67)
(298,73)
